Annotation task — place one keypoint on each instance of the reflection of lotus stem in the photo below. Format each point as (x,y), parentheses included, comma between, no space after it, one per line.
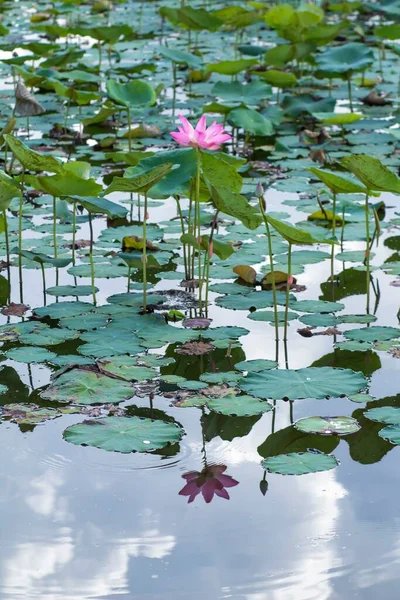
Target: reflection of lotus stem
(197,212)
(333,233)
(8,253)
(144,257)
(128,110)
(350,93)
(129,280)
(73,232)
(131,211)
(44,283)
(91,260)
(271,266)
(367,248)
(139,206)
(288,289)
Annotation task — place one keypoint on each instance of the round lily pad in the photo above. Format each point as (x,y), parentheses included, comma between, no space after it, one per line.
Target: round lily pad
(124,434)
(384,414)
(391,434)
(126,368)
(71,290)
(316,306)
(240,406)
(300,463)
(372,334)
(269,316)
(256,365)
(312,382)
(328,425)
(30,354)
(85,387)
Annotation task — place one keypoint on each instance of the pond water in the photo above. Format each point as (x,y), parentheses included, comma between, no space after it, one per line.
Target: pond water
(233,499)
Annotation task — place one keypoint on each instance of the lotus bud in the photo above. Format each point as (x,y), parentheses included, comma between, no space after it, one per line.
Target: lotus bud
(210,250)
(144,259)
(147,216)
(259,190)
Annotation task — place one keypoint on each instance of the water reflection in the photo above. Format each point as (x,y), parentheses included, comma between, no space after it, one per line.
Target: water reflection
(211,481)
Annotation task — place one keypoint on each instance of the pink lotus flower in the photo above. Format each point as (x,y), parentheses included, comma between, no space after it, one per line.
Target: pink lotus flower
(209,481)
(209,138)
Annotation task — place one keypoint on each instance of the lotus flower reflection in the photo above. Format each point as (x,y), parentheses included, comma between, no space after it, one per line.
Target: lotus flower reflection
(209,138)
(211,480)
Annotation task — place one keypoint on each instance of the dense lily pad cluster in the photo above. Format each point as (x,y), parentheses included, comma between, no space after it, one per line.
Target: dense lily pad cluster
(144,234)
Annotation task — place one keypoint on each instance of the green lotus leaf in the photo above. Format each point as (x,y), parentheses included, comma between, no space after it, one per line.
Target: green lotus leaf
(372,334)
(343,60)
(251,121)
(233,91)
(311,382)
(124,434)
(391,434)
(70,290)
(256,365)
(317,306)
(126,368)
(133,94)
(179,57)
(85,387)
(300,463)
(372,173)
(240,406)
(30,354)
(231,67)
(31,160)
(328,425)
(384,414)
(279,79)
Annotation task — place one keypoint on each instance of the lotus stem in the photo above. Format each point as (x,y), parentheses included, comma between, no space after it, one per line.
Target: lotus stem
(128,289)
(21,203)
(271,266)
(333,233)
(128,112)
(55,226)
(288,290)
(73,232)
(350,93)
(197,212)
(144,257)
(367,251)
(92,275)
(208,256)
(178,204)
(173,88)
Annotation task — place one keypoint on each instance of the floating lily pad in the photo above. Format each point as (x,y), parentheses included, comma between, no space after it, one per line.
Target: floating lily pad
(256,365)
(124,434)
(328,425)
(300,463)
(361,398)
(240,406)
(391,434)
(312,382)
(372,334)
(228,377)
(269,316)
(30,354)
(384,414)
(71,290)
(317,306)
(126,368)
(85,387)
